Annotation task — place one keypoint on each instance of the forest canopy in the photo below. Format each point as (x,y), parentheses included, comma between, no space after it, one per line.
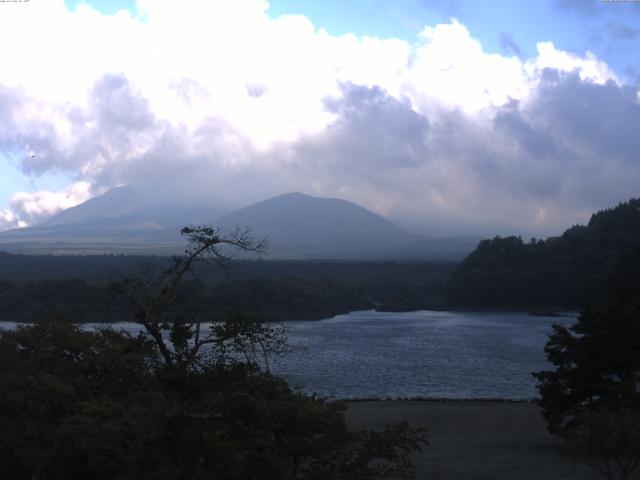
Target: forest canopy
(566,271)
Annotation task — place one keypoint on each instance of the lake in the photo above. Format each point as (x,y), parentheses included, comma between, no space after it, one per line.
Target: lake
(428,354)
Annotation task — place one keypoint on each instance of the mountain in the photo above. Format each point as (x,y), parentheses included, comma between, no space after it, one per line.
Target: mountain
(297,226)
(570,270)
(123,220)
(300,226)
(126,208)
(117,202)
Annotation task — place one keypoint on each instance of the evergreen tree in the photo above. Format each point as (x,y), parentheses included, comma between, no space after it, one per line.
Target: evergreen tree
(592,397)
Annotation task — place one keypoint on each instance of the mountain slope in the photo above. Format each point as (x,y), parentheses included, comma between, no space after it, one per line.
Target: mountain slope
(115,203)
(302,226)
(123,220)
(298,226)
(127,208)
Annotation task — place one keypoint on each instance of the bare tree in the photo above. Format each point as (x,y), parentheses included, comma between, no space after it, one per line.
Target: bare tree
(179,337)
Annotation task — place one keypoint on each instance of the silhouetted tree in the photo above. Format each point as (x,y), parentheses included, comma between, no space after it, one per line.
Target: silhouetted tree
(177,334)
(592,397)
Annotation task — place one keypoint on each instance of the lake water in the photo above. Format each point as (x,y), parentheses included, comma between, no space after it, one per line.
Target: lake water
(427,354)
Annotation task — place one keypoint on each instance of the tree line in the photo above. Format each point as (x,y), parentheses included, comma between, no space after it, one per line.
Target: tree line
(268,290)
(566,271)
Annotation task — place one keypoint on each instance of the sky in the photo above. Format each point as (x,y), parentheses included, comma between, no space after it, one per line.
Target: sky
(448,116)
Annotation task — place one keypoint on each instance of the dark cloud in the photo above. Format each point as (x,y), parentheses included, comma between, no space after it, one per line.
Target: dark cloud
(375,127)
(580,7)
(509,45)
(601,119)
(621,31)
(582,135)
(446,7)
(564,149)
(116,106)
(534,141)
(597,8)
(571,147)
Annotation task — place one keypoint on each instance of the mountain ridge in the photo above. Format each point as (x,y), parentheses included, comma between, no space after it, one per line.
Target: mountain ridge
(299,226)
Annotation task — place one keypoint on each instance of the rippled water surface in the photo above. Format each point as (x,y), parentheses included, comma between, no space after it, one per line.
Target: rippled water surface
(425,353)
(409,354)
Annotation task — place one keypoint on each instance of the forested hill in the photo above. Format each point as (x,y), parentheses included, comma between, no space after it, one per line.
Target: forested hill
(565,271)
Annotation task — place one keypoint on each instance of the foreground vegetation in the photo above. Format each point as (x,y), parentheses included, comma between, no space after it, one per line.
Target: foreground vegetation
(591,398)
(176,402)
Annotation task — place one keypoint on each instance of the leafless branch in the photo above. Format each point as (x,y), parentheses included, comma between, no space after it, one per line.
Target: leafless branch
(153,296)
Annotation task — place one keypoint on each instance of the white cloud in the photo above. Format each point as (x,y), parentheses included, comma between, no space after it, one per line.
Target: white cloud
(588,66)
(449,67)
(30,207)
(217,99)
(9,220)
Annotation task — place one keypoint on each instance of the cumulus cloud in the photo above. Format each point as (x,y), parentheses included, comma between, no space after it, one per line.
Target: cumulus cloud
(30,207)
(9,220)
(218,102)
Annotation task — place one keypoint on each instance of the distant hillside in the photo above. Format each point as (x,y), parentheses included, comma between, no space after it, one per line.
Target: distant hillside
(296,218)
(122,220)
(128,209)
(298,227)
(117,202)
(569,270)
(301,226)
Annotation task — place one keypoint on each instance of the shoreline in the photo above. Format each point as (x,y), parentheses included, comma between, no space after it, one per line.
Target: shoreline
(314,316)
(420,399)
